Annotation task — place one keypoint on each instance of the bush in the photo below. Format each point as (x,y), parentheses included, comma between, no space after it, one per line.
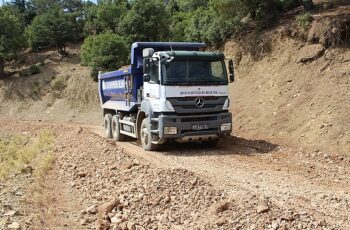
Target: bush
(59,83)
(94,73)
(304,20)
(34,69)
(106,51)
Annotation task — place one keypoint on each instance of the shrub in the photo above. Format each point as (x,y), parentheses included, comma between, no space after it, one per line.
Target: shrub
(304,20)
(94,73)
(59,83)
(106,51)
(34,69)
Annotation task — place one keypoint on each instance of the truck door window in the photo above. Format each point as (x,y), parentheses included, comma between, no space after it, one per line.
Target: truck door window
(154,72)
(217,71)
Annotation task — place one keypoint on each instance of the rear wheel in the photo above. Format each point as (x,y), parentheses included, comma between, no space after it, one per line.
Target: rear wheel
(117,136)
(146,137)
(107,125)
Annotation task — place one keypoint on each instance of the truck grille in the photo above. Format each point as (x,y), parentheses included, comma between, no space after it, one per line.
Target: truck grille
(191,119)
(188,104)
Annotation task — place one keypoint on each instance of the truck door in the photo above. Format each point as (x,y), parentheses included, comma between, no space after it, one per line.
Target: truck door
(152,88)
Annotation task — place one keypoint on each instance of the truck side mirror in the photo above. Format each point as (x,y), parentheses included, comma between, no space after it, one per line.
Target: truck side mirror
(231,70)
(146,65)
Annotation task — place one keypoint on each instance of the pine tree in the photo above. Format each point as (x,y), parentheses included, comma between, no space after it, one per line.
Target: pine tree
(11,36)
(51,29)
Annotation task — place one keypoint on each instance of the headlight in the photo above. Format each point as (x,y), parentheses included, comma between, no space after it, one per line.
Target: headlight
(226,104)
(170,130)
(226,127)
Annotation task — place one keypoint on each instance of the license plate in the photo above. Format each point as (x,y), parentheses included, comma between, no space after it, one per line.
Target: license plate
(199,127)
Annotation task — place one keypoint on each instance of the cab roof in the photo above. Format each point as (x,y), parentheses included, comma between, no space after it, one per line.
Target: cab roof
(137,47)
(197,54)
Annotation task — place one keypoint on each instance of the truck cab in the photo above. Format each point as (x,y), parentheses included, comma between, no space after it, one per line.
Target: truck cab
(171,92)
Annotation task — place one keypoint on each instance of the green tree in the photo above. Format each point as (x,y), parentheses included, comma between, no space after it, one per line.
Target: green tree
(20,5)
(51,29)
(105,16)
(190,6)
(147,20)
(44,6)
(105,51)
(11,36)
(72,6)
(109,13)
(179,22)
(212,24)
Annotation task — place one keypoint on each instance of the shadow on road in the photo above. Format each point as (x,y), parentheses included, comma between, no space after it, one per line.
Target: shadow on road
(228,146)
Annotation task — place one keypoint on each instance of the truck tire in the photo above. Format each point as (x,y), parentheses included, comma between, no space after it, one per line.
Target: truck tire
(108,125)
(117,136)
(146,138)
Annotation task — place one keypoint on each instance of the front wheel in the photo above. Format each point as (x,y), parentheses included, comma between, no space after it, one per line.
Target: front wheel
(146,137)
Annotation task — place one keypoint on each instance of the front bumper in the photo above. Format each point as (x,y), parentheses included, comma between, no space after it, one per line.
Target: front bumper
(185,131)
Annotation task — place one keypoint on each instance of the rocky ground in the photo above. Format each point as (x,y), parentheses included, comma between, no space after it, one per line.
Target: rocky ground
(244,184)
(12,211)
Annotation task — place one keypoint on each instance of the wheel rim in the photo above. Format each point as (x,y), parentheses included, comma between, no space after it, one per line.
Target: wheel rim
(144,135)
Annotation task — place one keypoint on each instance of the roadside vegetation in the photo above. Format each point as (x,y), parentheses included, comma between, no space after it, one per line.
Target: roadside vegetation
(24,154)
(114,24)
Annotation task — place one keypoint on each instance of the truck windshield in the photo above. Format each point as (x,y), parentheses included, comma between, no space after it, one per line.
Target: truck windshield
(192,72)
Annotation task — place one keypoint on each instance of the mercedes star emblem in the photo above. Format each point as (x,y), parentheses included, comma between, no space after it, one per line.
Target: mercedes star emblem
(199,102)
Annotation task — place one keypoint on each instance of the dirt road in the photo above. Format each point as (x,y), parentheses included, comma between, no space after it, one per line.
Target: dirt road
(242,184)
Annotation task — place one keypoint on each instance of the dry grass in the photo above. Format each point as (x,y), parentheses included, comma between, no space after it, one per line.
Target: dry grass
(87,97)
(59,83)
(19,151)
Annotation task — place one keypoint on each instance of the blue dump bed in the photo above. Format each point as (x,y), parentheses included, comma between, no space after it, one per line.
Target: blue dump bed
(118,89)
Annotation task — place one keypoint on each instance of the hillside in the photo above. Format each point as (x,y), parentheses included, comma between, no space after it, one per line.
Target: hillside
(62,91)
(296,92)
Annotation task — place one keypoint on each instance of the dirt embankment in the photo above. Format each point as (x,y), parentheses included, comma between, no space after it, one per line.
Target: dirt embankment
(293,85)
(62,91)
